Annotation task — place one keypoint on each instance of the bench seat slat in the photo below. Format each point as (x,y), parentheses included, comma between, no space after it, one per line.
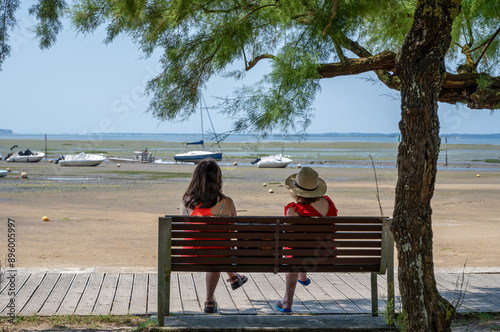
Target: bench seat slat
(238,227)
(270,252)
(284,236)
(269,268)
(282,219)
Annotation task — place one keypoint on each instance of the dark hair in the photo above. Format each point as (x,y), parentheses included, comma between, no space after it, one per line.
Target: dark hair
(205,187)
(305,200)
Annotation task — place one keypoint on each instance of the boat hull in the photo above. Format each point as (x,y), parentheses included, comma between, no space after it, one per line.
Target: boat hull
(81,159)
(32,158)
(278,161)
(197,156)
(3,173)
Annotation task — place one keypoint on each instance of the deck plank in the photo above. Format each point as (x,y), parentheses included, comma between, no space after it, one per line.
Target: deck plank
(189,298)
(19,282)
(240,299)
(257,299)
(279,285)
(330,305)
(139,294)
(26,292)
(74,295)
(152,293)
(41,294)
(308,299)
(106,295)
(175,295)
(331,289)
(269,294)
(57,295)
(123,294)
(90,295)
(223,298)
(360,301)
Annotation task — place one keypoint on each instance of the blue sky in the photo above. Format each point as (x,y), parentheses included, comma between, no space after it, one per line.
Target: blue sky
(82,86)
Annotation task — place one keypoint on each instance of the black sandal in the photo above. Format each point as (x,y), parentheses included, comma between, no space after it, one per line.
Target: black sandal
(210,307)
(240,281)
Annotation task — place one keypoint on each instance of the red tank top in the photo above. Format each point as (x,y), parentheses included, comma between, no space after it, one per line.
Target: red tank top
(307,210)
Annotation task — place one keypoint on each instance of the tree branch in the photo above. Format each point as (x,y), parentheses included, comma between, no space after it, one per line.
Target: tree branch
(382,61)
(252,63)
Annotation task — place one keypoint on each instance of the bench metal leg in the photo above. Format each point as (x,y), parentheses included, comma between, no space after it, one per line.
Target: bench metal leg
(374,287)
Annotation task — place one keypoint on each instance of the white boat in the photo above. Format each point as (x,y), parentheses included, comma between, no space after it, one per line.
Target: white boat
(3,173)
(26,156)
(142,156)
(81,159)
(197,156)
(277,161)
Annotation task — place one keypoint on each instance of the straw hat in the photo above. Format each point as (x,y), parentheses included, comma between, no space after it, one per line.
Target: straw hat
(306,183)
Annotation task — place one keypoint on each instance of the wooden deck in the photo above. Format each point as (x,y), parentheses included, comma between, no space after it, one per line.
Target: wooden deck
(90,293)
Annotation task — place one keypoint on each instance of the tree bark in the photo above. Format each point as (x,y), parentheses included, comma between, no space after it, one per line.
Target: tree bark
(421,70)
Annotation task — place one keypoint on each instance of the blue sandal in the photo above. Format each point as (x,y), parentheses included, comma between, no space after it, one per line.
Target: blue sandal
(279,306)
(305,283)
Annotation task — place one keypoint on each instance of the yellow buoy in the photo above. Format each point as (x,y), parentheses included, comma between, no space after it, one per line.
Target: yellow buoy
(45,218)
(271,191)
(7,169)
(264,184)
(24,175)
(118,165)
(478,175)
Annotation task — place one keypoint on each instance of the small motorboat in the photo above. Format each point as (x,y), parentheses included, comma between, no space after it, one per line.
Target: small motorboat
(276,161)
(81,159)
(3,173)
(26,156)
(197,156)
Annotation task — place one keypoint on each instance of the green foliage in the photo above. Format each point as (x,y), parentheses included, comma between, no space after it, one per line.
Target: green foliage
(203,39)
(476,30)
(48,14)
(7,23)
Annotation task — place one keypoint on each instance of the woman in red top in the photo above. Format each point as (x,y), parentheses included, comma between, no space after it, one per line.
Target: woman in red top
(308,191)
(204,197)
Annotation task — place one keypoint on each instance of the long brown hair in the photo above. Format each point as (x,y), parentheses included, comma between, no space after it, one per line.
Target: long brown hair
(205,187)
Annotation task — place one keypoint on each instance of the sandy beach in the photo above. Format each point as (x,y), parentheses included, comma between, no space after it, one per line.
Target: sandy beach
(106,216)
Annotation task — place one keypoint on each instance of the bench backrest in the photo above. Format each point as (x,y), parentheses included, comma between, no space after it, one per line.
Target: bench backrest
(276,244)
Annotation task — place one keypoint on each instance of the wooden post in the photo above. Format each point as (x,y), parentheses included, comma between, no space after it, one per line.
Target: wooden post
(388,253)
(164,268)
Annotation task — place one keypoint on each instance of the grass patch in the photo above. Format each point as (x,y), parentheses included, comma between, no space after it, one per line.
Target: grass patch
(492,161)
(478,321)
(23,323)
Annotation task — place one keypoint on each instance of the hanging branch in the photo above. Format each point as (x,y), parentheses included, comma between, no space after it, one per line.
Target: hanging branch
(376,185)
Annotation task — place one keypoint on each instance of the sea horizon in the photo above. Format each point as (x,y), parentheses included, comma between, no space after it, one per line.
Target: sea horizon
(451,138)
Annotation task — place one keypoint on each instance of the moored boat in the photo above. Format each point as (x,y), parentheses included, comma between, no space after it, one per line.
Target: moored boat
(3,173)
(26,156)
(276,161)
(81,159)
(197,156)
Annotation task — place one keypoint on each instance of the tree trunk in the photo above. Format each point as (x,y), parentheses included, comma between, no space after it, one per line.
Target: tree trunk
(421,69)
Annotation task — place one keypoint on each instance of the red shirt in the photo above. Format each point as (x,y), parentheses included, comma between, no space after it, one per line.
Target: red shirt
(307,210)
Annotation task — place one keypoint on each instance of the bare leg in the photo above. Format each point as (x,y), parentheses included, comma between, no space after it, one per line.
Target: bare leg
(303,276)
(211,279)
(291,283)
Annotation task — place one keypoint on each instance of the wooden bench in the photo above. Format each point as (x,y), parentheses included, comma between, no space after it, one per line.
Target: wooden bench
(273,244)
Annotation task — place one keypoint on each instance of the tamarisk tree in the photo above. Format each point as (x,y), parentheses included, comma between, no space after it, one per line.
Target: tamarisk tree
(429,50)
